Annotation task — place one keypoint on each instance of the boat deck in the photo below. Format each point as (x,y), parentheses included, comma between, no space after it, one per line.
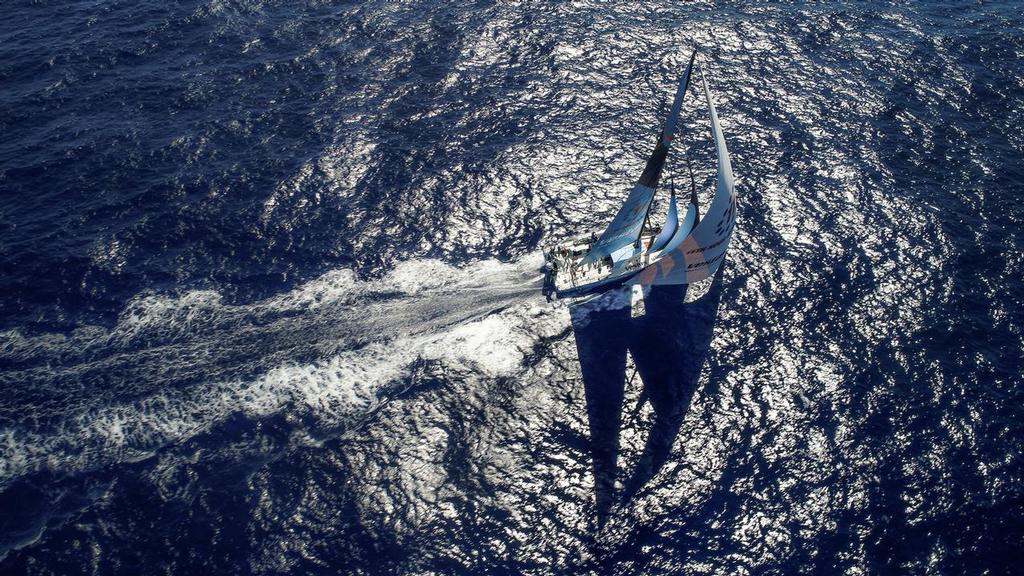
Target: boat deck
(568,274)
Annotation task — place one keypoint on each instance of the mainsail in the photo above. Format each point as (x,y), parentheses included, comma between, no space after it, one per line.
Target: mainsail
(699,254)
(628,223)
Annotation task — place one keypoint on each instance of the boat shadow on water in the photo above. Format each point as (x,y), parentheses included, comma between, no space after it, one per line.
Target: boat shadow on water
(669,345)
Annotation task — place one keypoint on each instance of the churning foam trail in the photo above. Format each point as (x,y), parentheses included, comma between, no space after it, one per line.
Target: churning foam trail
(173,367)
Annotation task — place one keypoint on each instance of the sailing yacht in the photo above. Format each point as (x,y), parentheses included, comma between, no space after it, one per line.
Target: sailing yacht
(629,251)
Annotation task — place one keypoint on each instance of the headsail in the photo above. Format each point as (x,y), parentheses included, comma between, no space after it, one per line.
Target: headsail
(671,224)
(628,223)
(699,254)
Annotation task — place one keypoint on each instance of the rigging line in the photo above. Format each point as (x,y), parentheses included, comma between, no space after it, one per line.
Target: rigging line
(643,395)
(689,168)
(658,93)
(630,383)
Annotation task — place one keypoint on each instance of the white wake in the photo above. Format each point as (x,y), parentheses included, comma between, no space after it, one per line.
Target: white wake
(175,366)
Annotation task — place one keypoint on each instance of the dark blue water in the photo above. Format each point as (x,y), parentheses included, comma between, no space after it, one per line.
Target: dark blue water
(268,296)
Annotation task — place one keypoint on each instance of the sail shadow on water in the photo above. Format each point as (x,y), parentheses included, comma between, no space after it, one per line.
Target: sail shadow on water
(601,344)
(669,346)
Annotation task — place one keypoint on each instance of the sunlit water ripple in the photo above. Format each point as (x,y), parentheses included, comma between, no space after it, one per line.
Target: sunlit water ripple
(270,298)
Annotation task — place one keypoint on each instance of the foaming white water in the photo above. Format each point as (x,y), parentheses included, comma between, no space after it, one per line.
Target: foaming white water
(175,366)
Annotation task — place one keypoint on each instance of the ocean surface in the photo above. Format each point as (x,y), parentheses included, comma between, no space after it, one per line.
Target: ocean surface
(269,298)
